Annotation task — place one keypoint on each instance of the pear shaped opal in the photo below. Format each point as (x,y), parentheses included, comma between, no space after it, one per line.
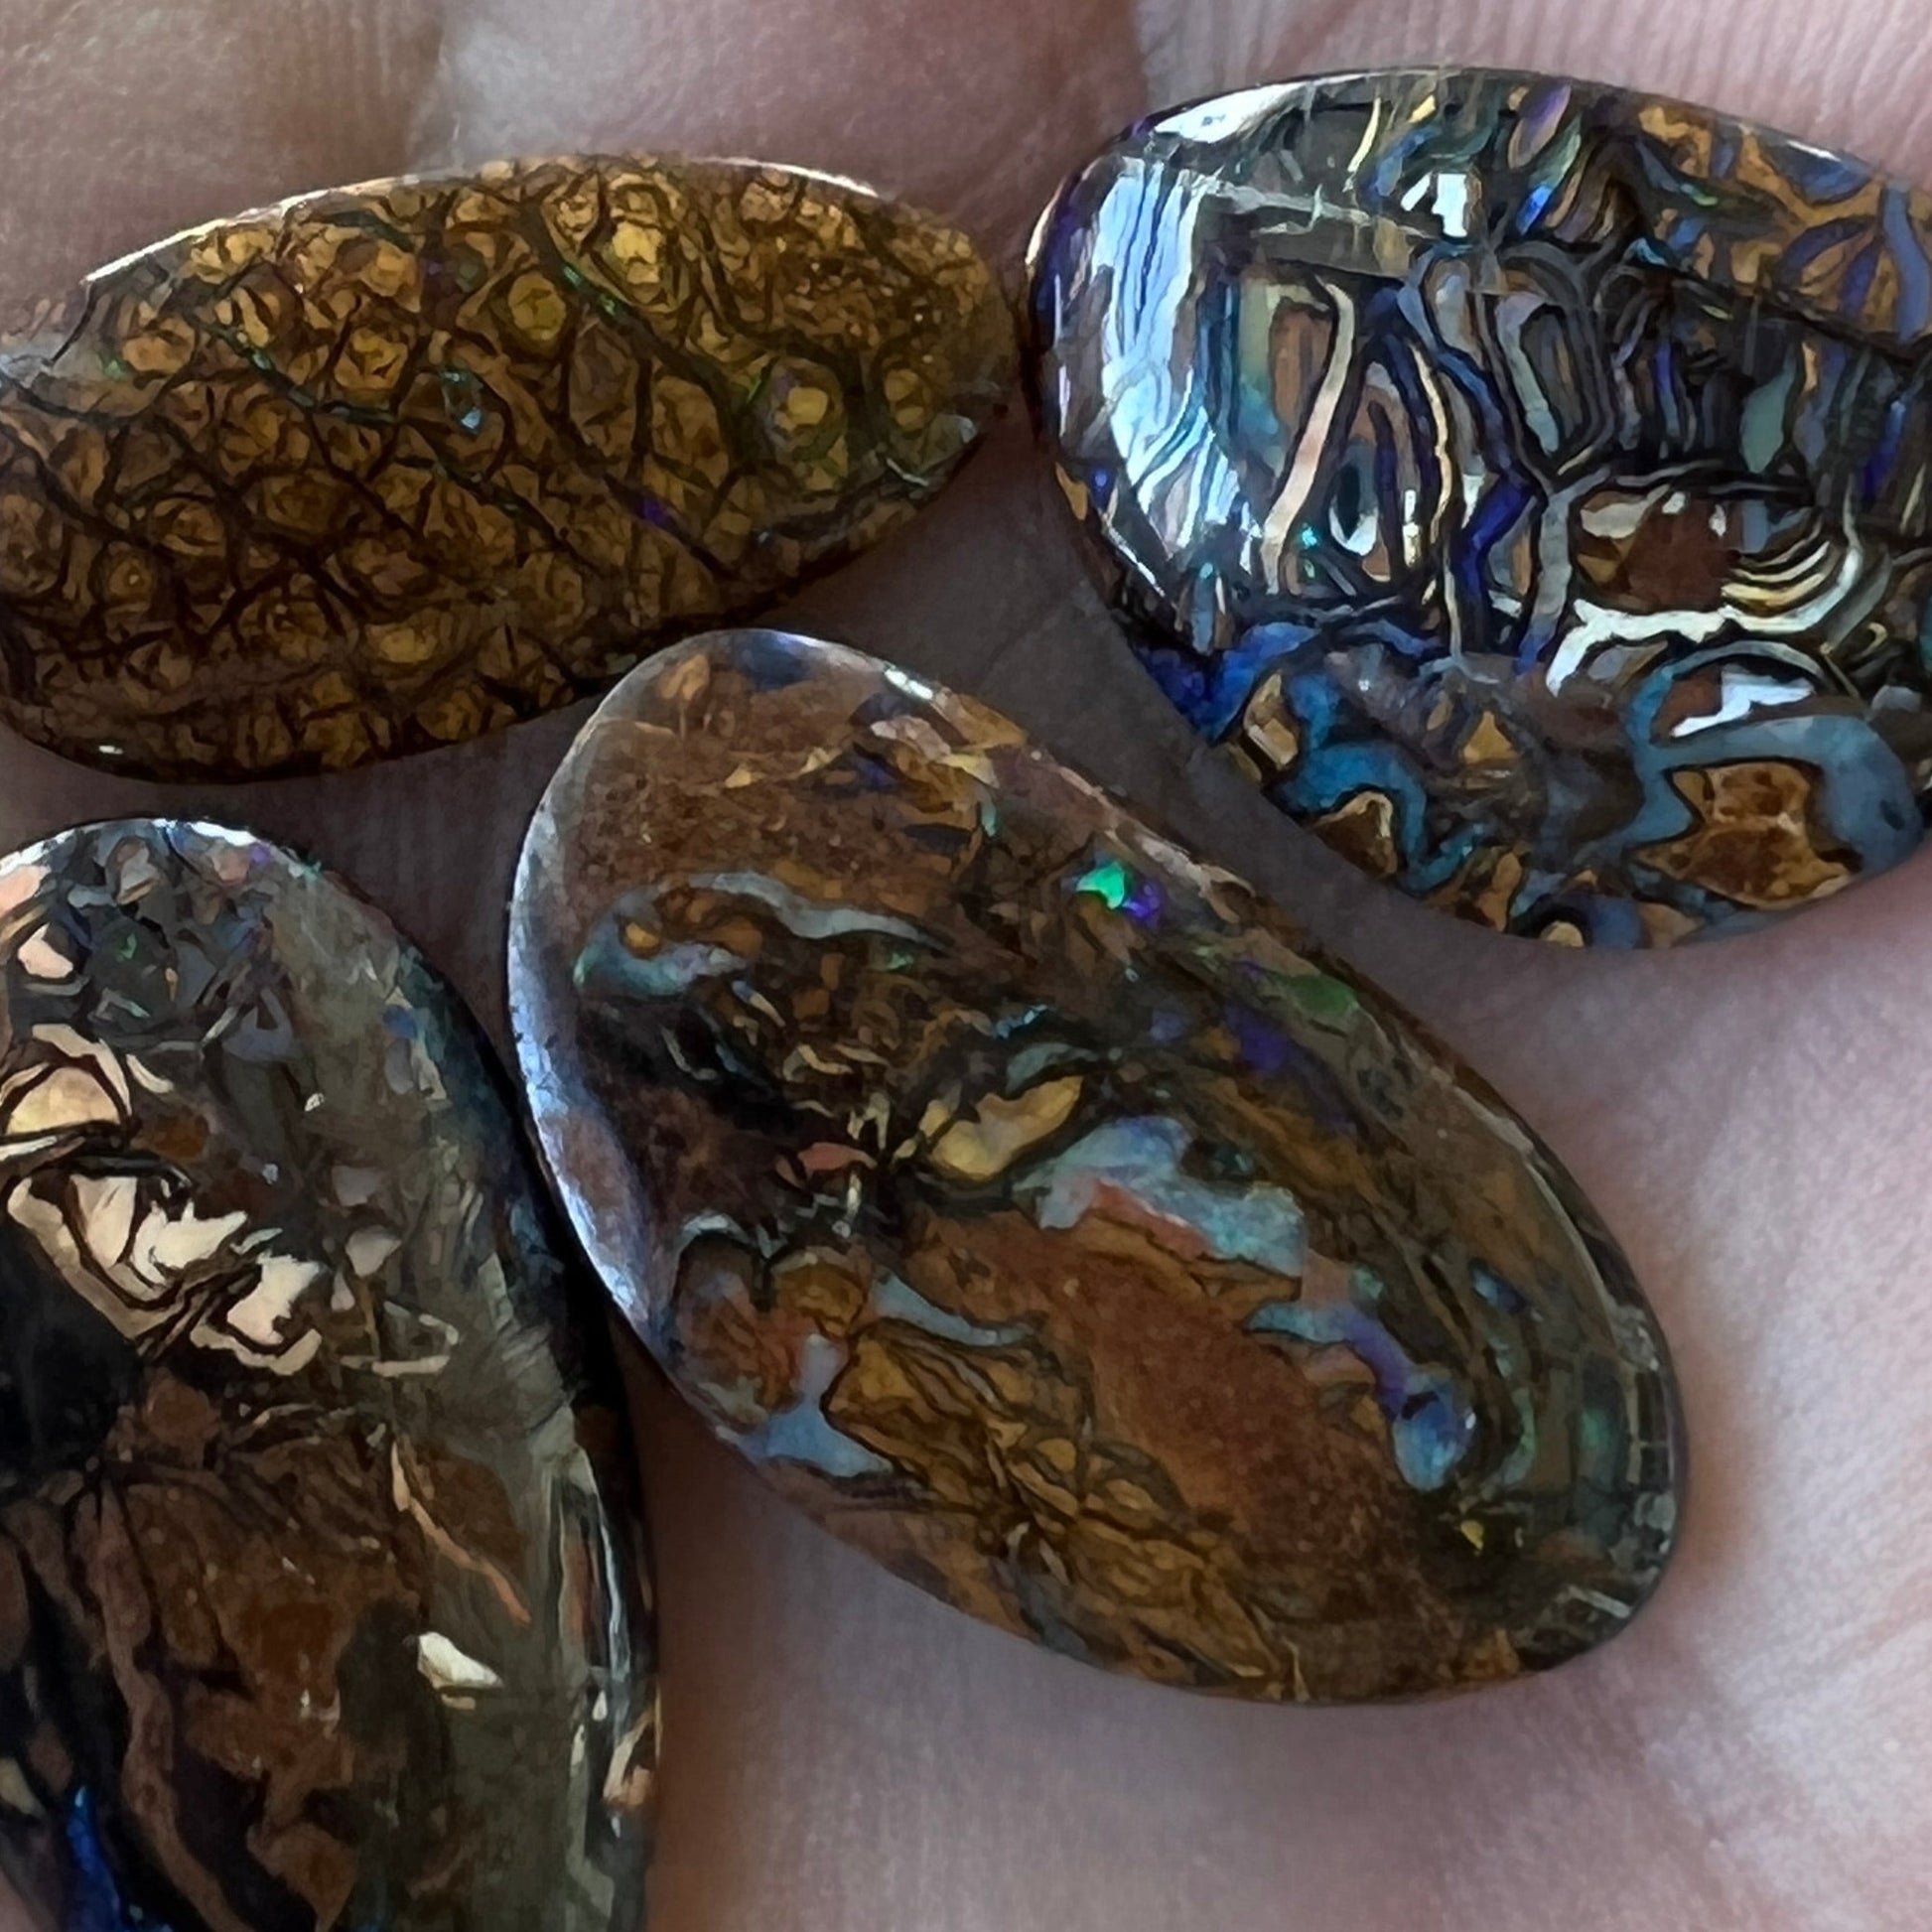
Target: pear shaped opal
(1029,1202)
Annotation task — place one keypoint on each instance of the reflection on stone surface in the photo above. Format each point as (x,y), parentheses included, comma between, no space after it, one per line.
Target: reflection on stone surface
(1026,1200)
(390,467)
(321,1603)
(1525,480)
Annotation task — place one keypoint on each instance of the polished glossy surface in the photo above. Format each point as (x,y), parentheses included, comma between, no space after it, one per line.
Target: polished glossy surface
(321,1596)
(1526,481)
(1031,1203)
(389,467)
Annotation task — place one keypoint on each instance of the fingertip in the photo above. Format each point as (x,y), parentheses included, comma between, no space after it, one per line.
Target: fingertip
(975,112)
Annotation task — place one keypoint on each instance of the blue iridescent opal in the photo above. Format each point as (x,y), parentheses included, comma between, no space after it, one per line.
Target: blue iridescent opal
(1029,1203)
(1526,481)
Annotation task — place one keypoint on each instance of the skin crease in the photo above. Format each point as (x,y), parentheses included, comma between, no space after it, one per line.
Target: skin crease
(846,1755)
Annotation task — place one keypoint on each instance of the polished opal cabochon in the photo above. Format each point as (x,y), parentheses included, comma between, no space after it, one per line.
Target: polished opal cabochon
(321,1599)
(388,466)
(1526,481)
(1031,1202)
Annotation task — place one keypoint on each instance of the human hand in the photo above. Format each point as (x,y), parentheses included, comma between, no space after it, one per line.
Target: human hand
(843,1753)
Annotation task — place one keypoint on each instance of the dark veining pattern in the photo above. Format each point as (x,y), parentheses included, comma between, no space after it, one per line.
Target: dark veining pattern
(321,1599)
(1029,1202)
(389,467)
(1526,481)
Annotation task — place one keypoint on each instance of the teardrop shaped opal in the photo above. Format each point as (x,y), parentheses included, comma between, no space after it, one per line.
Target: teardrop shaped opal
(1029,1202)
(322,1598)
(1525,480)
(389,467)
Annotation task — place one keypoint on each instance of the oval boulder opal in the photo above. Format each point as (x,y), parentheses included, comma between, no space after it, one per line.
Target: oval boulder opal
(1527,481)
(1026,1200)
(389,467)
(321,1599)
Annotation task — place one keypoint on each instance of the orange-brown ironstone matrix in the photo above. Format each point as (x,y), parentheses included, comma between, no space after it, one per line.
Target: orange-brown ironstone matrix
(390,467)
(323,1601)
(1032,1205)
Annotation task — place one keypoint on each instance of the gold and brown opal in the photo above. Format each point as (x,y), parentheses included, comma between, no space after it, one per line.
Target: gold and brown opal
(322,1600)
(389,467)
(1032,1204)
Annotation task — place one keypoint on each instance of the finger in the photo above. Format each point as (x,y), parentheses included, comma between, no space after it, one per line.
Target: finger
(120,123)
(973,111)
(1744,1116)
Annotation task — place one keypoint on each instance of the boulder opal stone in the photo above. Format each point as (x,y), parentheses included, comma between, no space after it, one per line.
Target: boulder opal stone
(313,1607)
(389,467)
(1029,1202)
(1526,481)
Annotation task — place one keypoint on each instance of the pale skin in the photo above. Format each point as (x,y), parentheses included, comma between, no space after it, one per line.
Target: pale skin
(845,1755)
